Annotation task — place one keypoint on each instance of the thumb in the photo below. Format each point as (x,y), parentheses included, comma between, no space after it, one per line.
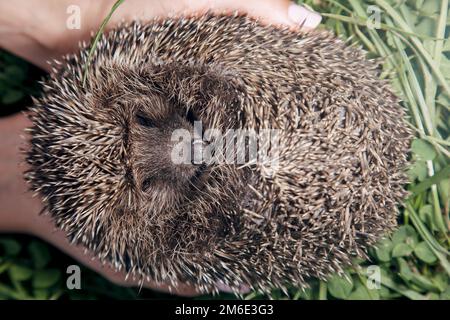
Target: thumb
(272,11)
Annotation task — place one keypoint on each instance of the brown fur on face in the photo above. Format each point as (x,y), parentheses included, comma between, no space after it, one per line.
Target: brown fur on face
(163,182)
(100,153)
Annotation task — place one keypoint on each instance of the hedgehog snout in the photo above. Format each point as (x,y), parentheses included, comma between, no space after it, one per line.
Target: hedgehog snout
(167,150)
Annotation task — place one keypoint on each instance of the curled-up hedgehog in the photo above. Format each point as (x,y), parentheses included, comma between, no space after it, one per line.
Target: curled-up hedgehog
(101,152)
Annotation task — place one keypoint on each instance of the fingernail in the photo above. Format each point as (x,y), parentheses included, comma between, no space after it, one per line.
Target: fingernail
(304,17)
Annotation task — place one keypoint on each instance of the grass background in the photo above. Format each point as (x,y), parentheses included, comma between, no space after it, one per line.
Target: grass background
(412,39)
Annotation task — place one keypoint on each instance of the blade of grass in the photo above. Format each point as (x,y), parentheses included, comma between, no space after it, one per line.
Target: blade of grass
(440,31)
(364,39)
(425,112)
(433,180)
(9,292)
(389,283)
(357,20)
(97,38)
(417,43)
(428,237)
(322,290)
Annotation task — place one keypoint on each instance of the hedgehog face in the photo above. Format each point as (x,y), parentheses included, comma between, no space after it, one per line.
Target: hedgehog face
(163,180)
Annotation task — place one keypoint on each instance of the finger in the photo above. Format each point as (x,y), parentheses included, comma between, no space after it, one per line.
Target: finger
(28,49)
(243,289)
(269,11)
(272,11)
(120,279)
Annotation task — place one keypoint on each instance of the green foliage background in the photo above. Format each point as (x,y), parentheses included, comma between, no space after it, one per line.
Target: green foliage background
(413,40)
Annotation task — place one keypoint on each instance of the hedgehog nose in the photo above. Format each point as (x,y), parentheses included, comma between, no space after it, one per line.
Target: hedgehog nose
(197,146)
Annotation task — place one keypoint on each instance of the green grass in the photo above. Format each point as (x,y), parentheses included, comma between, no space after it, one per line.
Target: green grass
(412,41)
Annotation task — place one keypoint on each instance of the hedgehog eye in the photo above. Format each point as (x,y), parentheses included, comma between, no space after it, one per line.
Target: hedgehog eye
(146,184)
(191,117)
(144,121)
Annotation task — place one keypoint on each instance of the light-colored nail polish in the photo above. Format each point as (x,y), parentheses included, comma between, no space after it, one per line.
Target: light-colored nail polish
(302,16)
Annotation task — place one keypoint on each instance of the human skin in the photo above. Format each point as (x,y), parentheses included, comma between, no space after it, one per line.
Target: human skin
(36,30)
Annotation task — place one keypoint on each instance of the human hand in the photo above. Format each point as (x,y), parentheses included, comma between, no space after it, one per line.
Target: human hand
(37,29)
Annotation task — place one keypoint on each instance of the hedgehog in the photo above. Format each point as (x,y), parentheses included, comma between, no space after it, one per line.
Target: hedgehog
(101,152)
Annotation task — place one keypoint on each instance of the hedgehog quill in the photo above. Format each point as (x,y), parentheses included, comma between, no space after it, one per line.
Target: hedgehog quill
(100,154)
